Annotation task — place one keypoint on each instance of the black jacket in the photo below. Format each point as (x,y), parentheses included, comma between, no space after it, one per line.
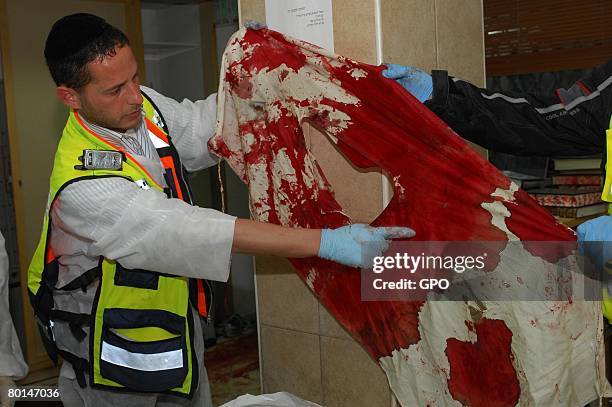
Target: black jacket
(569,122)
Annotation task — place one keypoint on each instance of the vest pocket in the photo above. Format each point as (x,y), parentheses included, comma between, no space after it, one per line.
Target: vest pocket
(144,365)
(136,278)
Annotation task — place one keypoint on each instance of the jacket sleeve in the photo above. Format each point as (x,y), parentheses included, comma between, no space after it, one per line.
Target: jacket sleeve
(191,125)
(568,122)
(142,229)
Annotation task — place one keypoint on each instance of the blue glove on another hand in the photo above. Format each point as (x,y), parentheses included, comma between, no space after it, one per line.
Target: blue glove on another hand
(595,241)
(414,80)
(596,230)
(345,245)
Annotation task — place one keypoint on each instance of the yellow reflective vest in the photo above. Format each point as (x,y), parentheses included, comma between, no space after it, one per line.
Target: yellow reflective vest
(141,323)
(606,195)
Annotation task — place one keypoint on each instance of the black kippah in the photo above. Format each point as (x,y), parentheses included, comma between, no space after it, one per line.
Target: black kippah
(72,33)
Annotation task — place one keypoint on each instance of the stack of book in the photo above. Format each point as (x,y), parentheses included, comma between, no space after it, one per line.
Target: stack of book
(577,165)
(574,192)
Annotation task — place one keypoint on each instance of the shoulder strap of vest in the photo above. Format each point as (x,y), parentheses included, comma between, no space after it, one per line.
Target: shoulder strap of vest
(178,185)
(200,290)
(158,112)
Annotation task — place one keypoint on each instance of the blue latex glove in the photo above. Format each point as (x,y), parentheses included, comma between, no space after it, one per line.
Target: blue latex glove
(414,80)
(595,241)
(596,230)
(345,244)
(254,25)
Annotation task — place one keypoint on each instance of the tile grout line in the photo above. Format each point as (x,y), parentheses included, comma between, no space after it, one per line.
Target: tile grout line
(436,33)
(323,398)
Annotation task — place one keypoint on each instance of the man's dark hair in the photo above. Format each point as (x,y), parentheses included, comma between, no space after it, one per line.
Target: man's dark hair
(76,40)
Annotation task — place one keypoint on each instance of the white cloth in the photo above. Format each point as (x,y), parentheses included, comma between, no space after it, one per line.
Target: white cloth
(11,358)
(280,399)
(140,228)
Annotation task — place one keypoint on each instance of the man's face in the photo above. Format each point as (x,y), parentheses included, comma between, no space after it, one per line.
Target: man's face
(112,97)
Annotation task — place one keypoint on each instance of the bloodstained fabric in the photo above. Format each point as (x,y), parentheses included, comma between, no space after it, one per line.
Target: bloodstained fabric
(493,353)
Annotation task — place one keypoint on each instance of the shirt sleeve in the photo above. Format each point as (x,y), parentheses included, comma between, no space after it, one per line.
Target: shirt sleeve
(11,357)
(191,125)
(143,229)
(567,122)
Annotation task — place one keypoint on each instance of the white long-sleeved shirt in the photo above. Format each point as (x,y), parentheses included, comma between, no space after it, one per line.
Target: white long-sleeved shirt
(141,229)
(11,358)
(114,218)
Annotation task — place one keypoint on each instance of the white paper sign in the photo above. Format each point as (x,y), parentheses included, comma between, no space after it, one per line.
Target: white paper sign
(308,20)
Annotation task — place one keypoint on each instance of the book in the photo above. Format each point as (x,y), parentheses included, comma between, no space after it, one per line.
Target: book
(578,172)
(569,200)
(566,190)
(567,195)
(577,163)
(577,179)
(526,181)
(578,212)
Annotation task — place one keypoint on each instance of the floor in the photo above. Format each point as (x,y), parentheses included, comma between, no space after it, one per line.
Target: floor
(232,366)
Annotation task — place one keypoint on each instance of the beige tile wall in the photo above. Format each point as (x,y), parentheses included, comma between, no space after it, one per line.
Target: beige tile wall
(291,361)
(252,10)
(409,33)
(355,29)
(283,300)
(460,42)
(350,377)
(460,39)
(438,34)
(304,350)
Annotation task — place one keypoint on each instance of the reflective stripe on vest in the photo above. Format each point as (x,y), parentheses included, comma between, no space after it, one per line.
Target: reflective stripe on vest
(142,361)
(606,195)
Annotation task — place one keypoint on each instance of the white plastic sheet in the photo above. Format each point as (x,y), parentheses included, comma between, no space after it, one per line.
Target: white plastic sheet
(281,399)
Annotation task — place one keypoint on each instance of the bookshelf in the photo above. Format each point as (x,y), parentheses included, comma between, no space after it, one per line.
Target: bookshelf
(569,188)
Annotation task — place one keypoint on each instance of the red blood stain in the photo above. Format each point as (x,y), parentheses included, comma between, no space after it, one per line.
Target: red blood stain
(524,222)
(269,50)
(440,188)
(481,373)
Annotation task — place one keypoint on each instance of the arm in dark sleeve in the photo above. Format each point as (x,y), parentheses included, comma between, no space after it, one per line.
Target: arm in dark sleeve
(569,122)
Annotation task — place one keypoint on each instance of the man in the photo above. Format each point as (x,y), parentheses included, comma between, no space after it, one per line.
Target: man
(114,280)
(12,365)
(571,122)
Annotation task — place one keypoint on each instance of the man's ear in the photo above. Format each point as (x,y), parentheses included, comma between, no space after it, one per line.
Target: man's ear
(68,97)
